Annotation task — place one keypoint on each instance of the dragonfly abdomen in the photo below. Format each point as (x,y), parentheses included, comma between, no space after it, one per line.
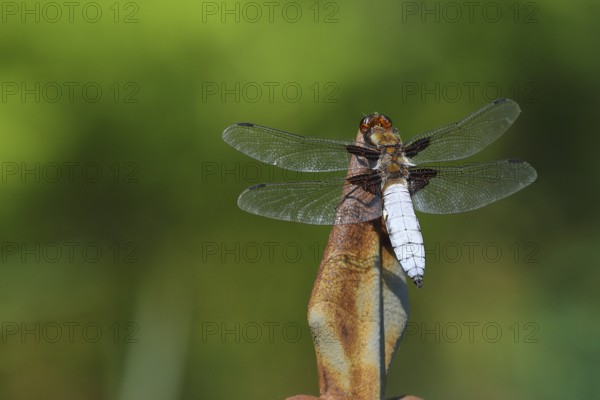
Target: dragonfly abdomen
(404,230)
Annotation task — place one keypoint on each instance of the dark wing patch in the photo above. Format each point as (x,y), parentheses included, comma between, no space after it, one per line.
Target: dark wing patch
(365,152)
(417,146)
(419,178)
(369,182)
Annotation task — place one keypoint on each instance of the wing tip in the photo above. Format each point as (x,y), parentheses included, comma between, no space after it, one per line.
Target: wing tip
(237,125)
(525,165)
(506,100)
(228,134)
(242,198)
(257,186)
(503,100)
(516,161)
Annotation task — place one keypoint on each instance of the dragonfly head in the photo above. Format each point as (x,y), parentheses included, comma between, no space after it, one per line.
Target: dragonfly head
(377,130)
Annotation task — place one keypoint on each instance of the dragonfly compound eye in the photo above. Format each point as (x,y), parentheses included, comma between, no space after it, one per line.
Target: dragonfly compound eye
(384,121)
(370,121)
(365,124)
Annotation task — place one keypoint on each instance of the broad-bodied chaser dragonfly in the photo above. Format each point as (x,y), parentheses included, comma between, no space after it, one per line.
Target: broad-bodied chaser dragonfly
(399,179)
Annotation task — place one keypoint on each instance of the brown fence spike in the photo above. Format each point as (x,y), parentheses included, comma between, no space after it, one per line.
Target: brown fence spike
(357,311)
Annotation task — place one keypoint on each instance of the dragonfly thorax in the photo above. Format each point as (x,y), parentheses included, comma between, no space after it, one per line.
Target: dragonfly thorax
(377,131)
(393,164)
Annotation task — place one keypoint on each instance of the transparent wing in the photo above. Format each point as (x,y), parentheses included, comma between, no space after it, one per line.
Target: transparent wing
(448,190)
(289,151)
(331,202)
(466,137)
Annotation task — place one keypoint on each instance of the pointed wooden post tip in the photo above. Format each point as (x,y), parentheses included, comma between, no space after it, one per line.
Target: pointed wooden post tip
(358,309)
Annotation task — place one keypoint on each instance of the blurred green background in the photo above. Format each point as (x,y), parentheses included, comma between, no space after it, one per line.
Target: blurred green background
(128,272)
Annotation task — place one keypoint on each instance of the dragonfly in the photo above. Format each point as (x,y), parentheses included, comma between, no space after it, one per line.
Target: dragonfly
(394,179)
